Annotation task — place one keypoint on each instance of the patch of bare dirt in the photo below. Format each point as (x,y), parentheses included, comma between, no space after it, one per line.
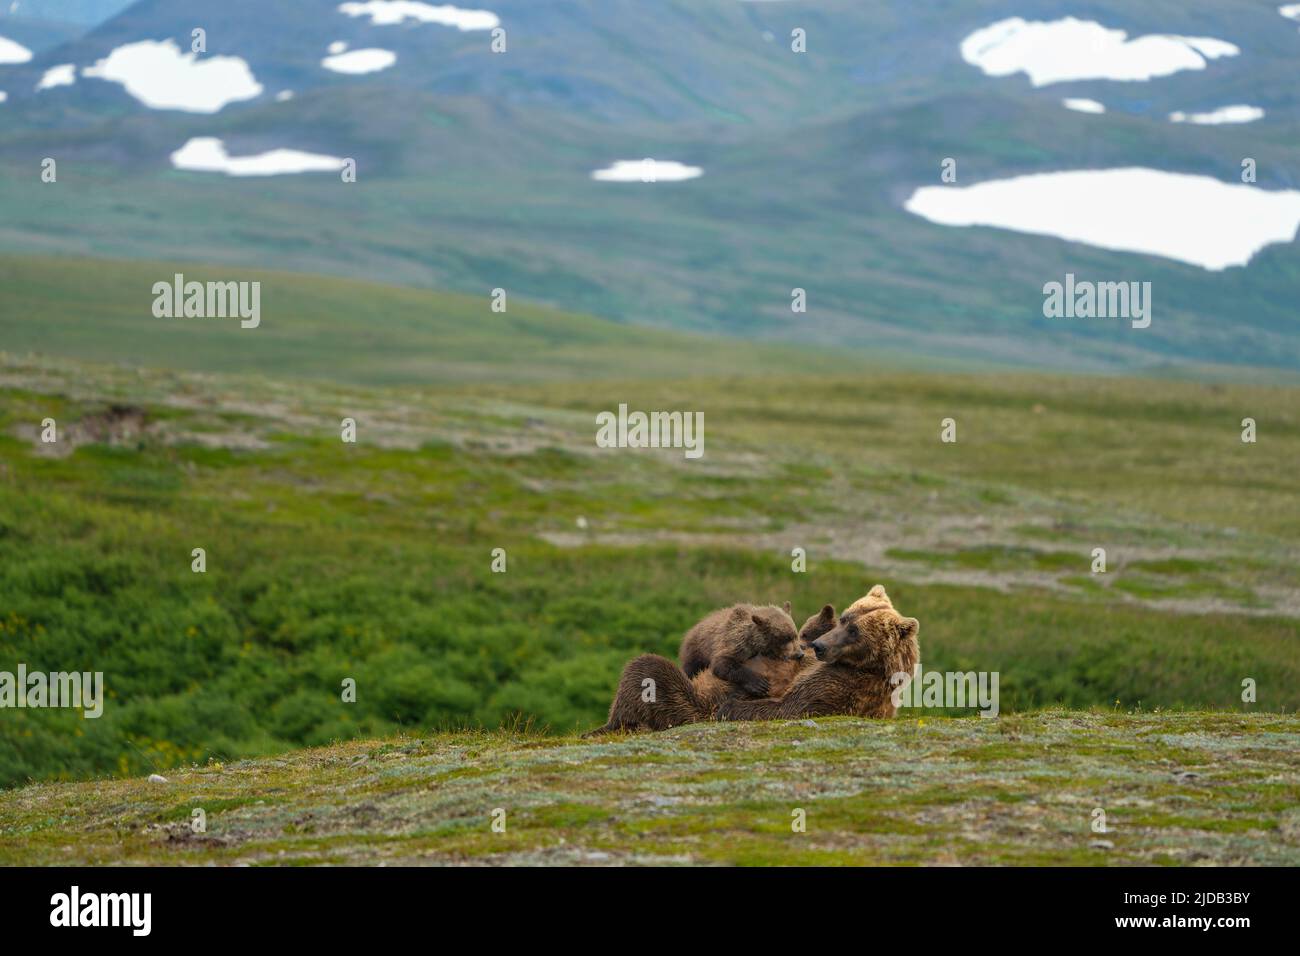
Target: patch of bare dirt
(116,425)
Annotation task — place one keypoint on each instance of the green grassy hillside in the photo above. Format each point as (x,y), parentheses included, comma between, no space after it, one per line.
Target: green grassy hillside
(474,170)
(1180,789)
(372,561)
(343,330)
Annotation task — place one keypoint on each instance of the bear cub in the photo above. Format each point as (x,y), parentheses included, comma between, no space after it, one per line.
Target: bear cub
(728,639)
(679,700)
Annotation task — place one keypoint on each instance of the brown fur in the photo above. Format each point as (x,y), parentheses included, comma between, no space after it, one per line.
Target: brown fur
(683,700)
(856,662)
(727,640)
(817,625)
(675,698)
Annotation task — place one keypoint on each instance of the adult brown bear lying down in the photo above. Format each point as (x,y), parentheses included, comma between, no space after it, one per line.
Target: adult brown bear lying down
(854,670)
(673,698)
(851,675)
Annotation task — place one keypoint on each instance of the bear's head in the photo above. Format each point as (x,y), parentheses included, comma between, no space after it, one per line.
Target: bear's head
(817,625)
(873,600)
(773,634)
(871,636)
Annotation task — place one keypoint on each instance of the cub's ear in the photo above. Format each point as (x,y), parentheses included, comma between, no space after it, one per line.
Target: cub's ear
(786,607)
(828,613)
(908,627)
(758,620)
(878,590)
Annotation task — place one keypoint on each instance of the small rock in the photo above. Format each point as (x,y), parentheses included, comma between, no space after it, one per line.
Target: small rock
(1186,775)
(582,522)
(809,723)
(597,855)
(157,778)
(1102,845)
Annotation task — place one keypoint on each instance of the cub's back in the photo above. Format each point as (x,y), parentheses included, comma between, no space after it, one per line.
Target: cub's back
(702,640)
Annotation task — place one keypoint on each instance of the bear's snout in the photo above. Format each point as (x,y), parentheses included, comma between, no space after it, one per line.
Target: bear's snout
(819,649)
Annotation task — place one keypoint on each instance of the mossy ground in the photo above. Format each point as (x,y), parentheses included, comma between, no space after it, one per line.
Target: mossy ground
(1176,788)
(373,561)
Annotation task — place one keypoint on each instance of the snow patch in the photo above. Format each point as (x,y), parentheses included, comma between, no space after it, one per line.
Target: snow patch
(390,12)
(1192,219)
(65,74)
(1071,49)
(161,77)
(646,171)
(1083,106)
(207,154)
(1224,114)
(360,61)
(13,52)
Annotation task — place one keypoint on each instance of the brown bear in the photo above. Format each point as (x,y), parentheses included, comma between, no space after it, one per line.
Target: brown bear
(817,625)
(728,639)
(671,698)
(854,671)
(654,694)
(779,672)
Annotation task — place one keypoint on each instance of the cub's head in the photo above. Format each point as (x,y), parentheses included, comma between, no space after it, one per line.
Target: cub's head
(817,625)
(773,633)
(870,635)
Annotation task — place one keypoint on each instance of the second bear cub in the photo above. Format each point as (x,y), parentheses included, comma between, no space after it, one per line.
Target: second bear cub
(730,637)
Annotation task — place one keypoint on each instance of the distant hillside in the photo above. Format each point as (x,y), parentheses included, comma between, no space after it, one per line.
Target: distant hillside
(80,12)
(42,25)
(620,62)
(475,169)
(37,35)
(345,331)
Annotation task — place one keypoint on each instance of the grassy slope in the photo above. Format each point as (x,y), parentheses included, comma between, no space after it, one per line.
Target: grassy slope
(685,255)
(342,330)
(1176,789)
(372,561)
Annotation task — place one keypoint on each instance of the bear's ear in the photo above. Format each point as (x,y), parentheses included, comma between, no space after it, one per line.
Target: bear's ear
(758,620)
(908,627)
(786,607)
(828,613)
(878,590)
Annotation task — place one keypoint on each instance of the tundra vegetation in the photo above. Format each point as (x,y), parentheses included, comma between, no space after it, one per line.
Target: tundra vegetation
(372,560)
(1174,788)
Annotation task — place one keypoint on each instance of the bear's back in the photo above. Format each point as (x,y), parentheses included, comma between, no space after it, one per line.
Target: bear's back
(711,634)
